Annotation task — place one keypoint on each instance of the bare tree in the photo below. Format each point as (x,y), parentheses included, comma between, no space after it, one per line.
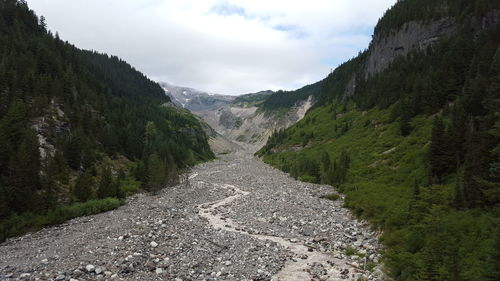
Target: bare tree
(185,177)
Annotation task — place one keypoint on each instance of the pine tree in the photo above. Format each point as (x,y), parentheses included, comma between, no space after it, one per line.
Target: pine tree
(406,113)
(405,126)
(493,271)
(458,195)
(4,203)
(156,173)
(83,187)
(325,166)
(26,171)
(475,162)
(415,198)
(106,188)
(441,157)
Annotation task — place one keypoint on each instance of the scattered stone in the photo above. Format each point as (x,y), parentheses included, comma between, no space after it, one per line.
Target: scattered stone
(242,226)
(90,268)
(98,270)
(77,272)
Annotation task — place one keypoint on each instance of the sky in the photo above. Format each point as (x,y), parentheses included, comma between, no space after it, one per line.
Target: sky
(220,46)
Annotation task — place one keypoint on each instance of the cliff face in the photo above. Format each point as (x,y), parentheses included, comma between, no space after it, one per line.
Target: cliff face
(417,36)
(411,36)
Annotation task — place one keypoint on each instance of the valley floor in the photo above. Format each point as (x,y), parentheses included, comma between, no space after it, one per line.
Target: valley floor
(236,219)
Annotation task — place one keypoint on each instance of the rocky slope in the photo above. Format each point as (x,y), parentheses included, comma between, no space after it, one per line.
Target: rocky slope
(251,125)
(195,100)
(236,118)
(222,223)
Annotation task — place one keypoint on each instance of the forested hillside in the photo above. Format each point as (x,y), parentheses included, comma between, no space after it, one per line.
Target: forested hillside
(286,99)
(78,125)
(414,145)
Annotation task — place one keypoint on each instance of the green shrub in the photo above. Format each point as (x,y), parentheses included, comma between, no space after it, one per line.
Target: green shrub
(333,196)
(307,178)
(349,251)
(370,266)
(18,224)
(129,185)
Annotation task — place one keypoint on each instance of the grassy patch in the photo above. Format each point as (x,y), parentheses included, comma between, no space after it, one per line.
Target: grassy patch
(349,251)
(18,224)
(370,266)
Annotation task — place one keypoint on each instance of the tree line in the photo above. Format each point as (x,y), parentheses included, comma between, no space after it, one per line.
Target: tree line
(67,117)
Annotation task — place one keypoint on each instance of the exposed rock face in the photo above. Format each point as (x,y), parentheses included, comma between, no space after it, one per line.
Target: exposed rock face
(351,87)
(417,36)
(228,120)
(47,127)
(233,119)
(411,36)
(488,21)
(248,124)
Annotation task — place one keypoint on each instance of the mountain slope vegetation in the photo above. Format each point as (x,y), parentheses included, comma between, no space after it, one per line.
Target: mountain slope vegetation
(78,125)
(414,146)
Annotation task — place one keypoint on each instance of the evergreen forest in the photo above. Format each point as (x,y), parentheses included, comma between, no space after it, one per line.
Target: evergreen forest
(79,130)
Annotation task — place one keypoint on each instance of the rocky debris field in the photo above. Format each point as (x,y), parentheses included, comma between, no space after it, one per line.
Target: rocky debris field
(236,219)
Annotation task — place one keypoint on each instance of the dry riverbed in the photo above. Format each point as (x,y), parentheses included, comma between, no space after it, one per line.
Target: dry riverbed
(237,219)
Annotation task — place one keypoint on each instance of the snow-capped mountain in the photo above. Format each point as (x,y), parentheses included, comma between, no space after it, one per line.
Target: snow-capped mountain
(195,100)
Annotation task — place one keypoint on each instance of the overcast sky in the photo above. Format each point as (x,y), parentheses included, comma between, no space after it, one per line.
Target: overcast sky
(220,46)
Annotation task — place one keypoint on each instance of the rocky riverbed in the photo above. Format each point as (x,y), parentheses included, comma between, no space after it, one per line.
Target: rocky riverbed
(235,219)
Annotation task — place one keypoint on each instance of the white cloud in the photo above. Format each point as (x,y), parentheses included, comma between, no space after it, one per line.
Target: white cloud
(231,47)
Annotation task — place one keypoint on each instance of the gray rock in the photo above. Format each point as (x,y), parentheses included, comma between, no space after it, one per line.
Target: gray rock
(90,268)
(99,270)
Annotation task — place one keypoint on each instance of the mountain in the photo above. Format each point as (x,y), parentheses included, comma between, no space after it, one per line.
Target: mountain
(248,119)
(80,129)
(245,120)
(195,100)
(409,131)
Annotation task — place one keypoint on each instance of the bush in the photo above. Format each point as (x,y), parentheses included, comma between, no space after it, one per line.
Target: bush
(307,178)
(349,251)
(129,185)
(333,196)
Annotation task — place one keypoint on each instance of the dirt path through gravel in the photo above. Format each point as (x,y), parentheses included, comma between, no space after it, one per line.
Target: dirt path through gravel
(237,219)
(295,269)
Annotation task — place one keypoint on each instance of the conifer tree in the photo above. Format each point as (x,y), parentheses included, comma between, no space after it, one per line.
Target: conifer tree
(440,156)
(106,188)
(83,187)
(156,176)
